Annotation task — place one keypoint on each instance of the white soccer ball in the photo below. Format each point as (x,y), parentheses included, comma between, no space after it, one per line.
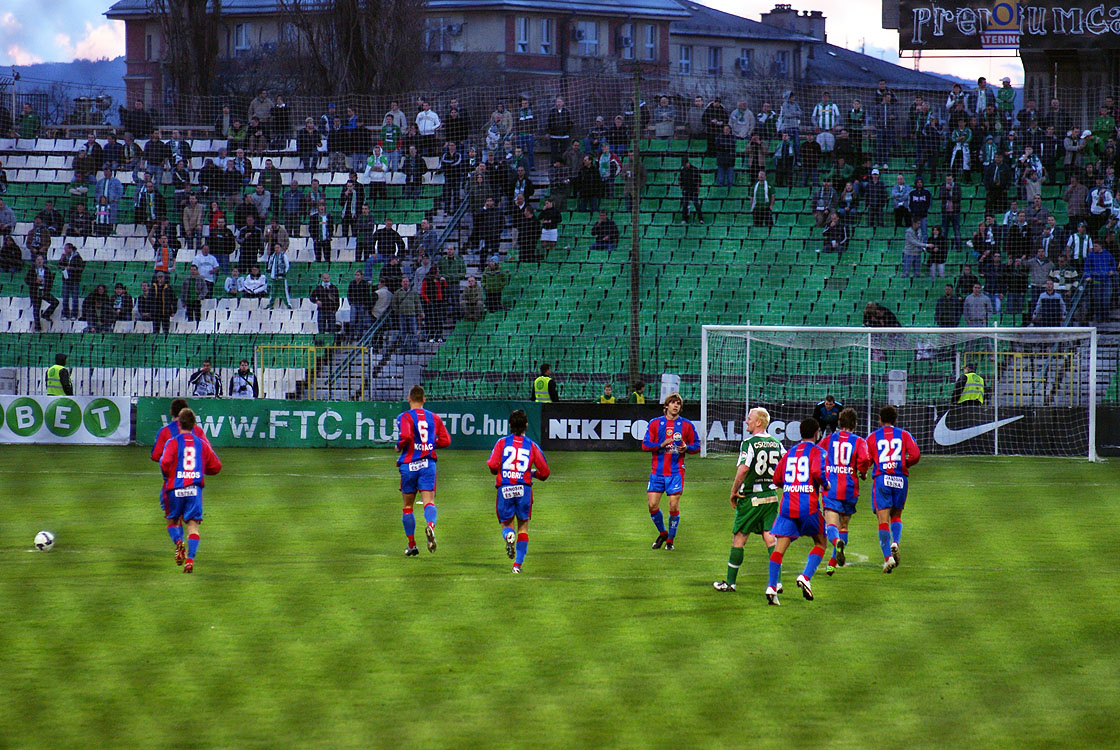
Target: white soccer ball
(44,541)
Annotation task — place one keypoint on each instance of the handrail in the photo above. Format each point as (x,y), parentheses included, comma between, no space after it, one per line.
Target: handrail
(380,323)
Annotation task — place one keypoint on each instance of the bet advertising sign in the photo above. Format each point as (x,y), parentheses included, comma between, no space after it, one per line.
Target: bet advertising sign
(73,420)
(999,24)
(331,424)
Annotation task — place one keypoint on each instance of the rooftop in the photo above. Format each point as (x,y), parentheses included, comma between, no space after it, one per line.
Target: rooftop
(705,21)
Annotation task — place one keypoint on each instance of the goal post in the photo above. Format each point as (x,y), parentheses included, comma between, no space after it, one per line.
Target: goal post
(1040,384)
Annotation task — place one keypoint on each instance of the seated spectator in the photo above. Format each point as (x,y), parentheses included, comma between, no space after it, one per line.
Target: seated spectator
(85,174)
(11,257)
(97,311)
(605,232)
(824,200)
(80,222)
(121,303)
(878,316)
(950,307)
(38,239)
(7,218)
(835,235)
(52,218)
(255,284)
(847,204)
(235,283)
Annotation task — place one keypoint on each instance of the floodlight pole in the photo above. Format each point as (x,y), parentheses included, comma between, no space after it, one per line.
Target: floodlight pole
(635,239)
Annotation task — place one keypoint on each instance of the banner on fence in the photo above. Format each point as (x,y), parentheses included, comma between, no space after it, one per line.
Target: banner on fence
(1005,24)
(600,427)
(73,420)
(319,424)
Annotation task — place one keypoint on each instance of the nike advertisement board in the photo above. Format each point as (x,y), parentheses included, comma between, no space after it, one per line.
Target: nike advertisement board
(570,426)
(963,429)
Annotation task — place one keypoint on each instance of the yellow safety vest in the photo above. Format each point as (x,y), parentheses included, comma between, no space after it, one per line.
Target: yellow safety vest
(639,398)
(973,388)
(540,390)
(605,400)
(54,381)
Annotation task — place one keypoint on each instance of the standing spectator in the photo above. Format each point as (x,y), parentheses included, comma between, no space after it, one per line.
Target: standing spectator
(689,181)
(145,303)
(204,382)
(427,123)
(7,219)
(715,117)
(382,301)
(207,266)
(694,119)
(784,160)
(559,129)
(243,383)
(824,201)
(790,122)
(407,307)
(308,141)
(847,204)
(950,307)
(762,201)
(192,221)
(149,207)
(454,269)
(528,228)
(112,154)
(433,294)
(400,119)
(250,240)
(589,185)
(951,210)
(451,165)
(255,284)
(40,281)
(121,302)
(414,169)
(278,267)
(326,300)
(618,136)
(261,108)
(550,219)
(826,115)
(472,304)
(97,311)
(912,250)
(293,204)
(272,180)
(321,227)
(193,292)
(725,145)
(634,174)
(525,129)
(350,202)
(664,119)
(223,123)
(1080,245)
(918,204)
(157,154)
(876,199)
(1100,270)
(360,296)
(978,309)
(387,242)
(261,201)
(998,179)
(754,156)
(29,123)
(885,118)
(742,121)
(938,253)
(1049,309)
(222,242)
(38,239)
(494,280)
(71,265)
(1100,206)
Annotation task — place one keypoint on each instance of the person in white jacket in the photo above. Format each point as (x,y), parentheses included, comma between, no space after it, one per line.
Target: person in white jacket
(427,123)
(256,285)
(278,267)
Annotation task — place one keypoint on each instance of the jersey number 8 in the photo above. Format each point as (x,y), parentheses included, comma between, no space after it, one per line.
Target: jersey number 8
(189,462)
(515,459)
(797,472)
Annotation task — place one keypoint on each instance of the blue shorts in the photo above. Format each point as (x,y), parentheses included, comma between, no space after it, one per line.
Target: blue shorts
(514,500)
(418,476)
(811,525)
(185,503)
(670,485)
(843,507)
(889,491)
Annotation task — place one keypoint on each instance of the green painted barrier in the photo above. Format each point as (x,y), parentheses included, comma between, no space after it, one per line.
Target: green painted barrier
(318,424)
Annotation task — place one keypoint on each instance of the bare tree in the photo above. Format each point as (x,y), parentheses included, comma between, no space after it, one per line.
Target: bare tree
(190,36)
(358,46)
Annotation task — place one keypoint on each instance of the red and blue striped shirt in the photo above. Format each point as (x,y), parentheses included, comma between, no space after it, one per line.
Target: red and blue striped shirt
(668,462)
(513,460)
(845,458)
(167,432)
(421,432)
(187,459)
(893,451)
(800,474)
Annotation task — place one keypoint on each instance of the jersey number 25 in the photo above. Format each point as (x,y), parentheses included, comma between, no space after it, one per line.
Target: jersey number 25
(515,459)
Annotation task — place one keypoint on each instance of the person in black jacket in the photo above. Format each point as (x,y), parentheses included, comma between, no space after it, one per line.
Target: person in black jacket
(307,146)
(528,236)
(827,413)
(949,309)
(158,156)
(550,219)
(559,129)
(40,280)
(689,181)
(589,186)
(388,243)
(414,168)
(876,199)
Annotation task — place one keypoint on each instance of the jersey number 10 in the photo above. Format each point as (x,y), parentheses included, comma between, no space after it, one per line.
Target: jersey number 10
(841,453)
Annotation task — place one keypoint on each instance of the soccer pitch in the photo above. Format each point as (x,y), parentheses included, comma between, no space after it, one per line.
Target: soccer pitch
(305,626)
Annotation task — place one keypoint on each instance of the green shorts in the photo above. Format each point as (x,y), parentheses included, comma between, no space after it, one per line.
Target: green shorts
(754,519)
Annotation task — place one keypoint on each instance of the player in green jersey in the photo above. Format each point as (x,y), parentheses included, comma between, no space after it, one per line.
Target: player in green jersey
(753,495)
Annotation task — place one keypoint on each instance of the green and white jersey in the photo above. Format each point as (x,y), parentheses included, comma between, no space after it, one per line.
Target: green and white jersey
(760,454)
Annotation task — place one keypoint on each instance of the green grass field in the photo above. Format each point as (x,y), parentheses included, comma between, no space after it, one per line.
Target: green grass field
(304,626)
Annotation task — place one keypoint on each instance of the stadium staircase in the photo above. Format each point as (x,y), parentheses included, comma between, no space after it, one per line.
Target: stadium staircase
(573,309)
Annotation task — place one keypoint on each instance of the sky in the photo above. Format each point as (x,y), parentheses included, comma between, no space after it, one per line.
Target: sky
(77,29)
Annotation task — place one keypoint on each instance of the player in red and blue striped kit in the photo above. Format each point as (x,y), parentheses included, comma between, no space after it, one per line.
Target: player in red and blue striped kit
(419,432)
(800,474)
(186,462)
(514,462)
(669,438)
(893,452)
(167,432)
(846,455)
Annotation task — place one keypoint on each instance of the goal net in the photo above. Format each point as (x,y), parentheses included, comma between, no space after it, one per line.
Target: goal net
(1040,384)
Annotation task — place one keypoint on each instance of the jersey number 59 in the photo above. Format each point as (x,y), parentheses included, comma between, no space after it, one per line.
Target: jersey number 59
(797,472)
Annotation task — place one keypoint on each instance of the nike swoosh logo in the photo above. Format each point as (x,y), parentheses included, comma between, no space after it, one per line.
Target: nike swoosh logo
(942,435)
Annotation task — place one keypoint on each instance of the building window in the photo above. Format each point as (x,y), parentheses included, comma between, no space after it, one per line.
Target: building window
(626,41)
(685,59)
(522,34)
(743,64)
(715,61)
(651,41)
(434,34)
(546,36)
(148,47)
(587,34)
(242,36)
(781,63)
